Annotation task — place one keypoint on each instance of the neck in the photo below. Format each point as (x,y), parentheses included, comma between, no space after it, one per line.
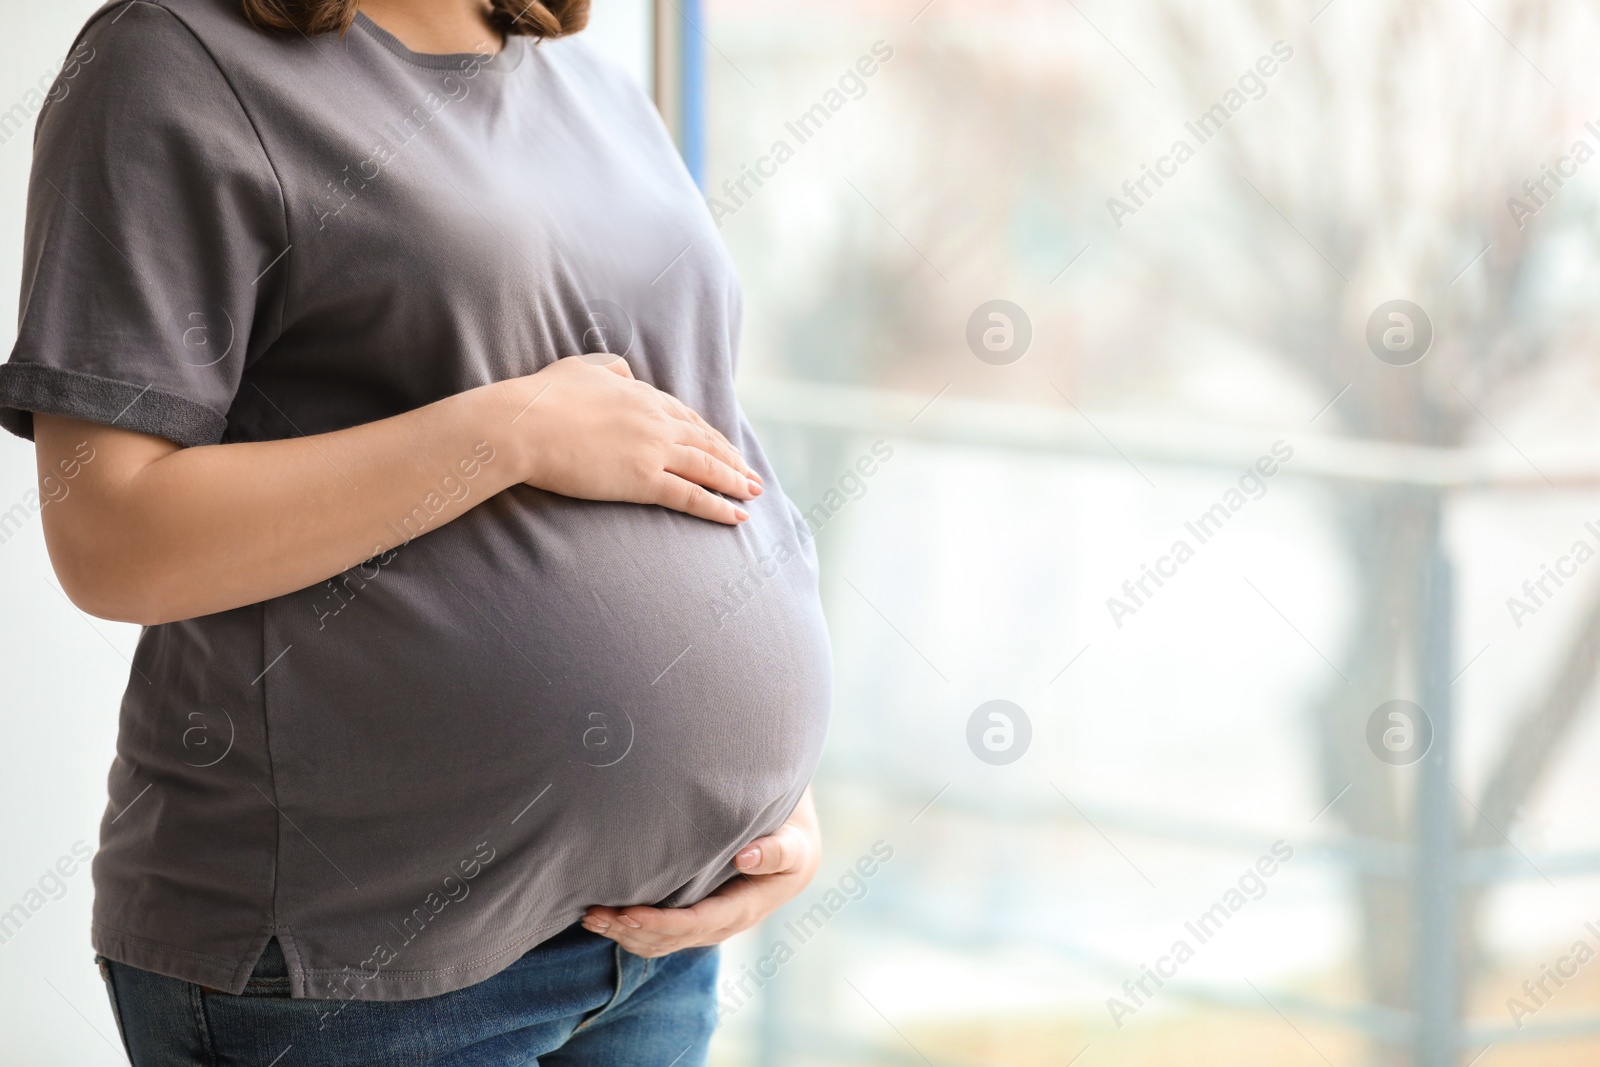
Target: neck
(443,27)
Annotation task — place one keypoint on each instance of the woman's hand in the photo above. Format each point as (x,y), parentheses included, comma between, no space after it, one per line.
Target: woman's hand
(773,870)
(592,431)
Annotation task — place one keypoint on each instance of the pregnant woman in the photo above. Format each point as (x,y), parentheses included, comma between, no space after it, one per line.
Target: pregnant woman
(389,349)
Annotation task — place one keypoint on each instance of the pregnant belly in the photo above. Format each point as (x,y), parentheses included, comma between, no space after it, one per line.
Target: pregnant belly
(613,698)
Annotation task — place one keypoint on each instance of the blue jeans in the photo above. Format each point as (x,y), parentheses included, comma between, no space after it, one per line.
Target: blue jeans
(577,1000)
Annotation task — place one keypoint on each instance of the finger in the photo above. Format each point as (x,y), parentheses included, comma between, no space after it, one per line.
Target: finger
(732,907)
(663,921)
(622,935)
(698,434)
(679,494)
(724,447)
(609,361)
(653,924)
(652,941)
(778,854)
(668,930)
(648,949)
(720,437)
(635,918)
(704,435)
(705,469)
(609,923)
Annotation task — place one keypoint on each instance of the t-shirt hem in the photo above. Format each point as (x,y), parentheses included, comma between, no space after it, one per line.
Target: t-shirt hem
(415,985)
(27,389)
(231,976)
(186,965)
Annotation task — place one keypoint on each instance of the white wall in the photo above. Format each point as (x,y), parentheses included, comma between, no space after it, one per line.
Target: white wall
(62,673)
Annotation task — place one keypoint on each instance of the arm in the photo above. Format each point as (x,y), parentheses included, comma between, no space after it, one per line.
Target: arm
(150,532)
(773,871)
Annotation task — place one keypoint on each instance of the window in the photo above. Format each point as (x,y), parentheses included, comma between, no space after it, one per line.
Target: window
(1275,292)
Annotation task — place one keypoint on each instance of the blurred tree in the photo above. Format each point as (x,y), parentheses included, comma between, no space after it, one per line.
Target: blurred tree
(1393,170)
(1380,162)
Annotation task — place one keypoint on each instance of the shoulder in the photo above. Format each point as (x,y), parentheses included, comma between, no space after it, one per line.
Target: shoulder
(135,21)
(140,47)
(143,86)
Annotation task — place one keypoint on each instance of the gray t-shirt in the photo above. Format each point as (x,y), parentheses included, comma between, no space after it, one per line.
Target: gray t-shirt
(417,771)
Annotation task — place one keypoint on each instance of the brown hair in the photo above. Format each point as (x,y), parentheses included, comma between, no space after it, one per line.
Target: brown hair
(549,18)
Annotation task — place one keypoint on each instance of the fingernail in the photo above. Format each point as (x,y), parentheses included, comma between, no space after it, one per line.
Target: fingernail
(755,487)
(741,514)
(750,857)
(597,925)
(634,923)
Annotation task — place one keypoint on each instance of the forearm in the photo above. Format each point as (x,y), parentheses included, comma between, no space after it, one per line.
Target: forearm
(149,532)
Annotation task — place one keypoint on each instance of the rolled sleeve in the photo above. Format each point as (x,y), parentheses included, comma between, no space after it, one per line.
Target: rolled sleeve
(153,215)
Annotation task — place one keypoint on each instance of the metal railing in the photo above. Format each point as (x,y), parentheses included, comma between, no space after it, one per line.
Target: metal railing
(1434,861)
